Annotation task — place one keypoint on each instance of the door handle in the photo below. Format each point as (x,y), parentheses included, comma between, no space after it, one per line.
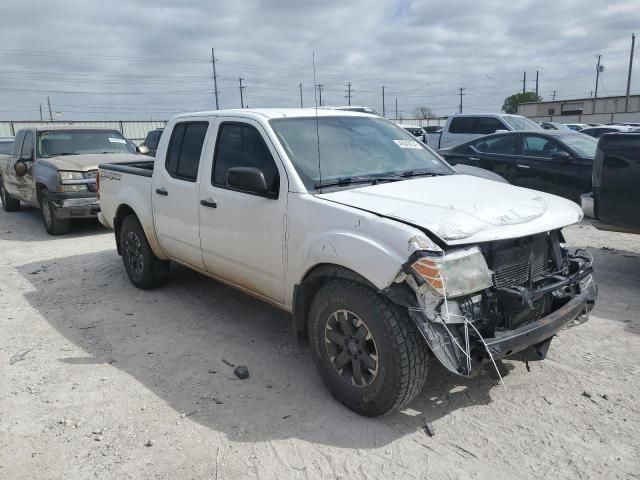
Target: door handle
(209,203)
(474,159)
(162,191)
(522,166)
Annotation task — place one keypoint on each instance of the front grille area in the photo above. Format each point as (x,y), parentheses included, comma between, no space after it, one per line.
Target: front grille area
(514,262)
(517,318)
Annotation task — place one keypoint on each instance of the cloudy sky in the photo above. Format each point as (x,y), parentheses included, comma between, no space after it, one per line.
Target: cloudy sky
(151,59)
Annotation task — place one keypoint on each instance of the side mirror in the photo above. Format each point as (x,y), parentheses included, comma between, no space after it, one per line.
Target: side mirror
(247,179)
(560,156)
(21,168)
(142,149)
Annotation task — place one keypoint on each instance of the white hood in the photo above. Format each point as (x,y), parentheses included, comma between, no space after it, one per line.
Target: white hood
(461,209)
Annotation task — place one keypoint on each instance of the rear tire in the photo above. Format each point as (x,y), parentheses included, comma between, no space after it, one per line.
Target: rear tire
(350,324)
(9,203)
(144,269)
(52,223)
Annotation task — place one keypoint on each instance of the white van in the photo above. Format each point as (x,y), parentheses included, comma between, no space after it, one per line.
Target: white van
(463,127)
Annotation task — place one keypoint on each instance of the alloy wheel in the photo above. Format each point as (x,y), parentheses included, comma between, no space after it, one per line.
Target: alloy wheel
(133,248)
(351,348)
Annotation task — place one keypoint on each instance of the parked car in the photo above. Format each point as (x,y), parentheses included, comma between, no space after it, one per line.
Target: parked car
(597,132)
(576,127)
(378,248)
(150,143)
(414,130)
(554,126)
(594,124)
(551,161)
(615,200)
(461,128)
(6,144)
(54,169)
(432,128)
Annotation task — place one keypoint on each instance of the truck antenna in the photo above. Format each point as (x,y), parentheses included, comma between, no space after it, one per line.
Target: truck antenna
(315,97)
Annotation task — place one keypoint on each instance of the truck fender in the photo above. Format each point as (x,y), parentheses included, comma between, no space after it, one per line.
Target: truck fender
(125,210)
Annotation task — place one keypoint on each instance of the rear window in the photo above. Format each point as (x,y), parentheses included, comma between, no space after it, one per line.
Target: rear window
(463,125)
(153,138)
(185,148)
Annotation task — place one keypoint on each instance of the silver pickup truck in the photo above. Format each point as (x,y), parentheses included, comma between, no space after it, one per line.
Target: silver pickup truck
(54,169)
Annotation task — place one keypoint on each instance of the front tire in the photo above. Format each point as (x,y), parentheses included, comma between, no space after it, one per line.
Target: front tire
(368,351)
(144,269)
(9,203)
(52,223)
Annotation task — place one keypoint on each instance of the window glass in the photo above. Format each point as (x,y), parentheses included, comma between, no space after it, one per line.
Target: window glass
(185,148)
(5,148)
(17,143)
(175,145)
(326,149)
(521,123)
(82,141)
(503,144)
(487,125)
(27,146)
(243,146)
(535,146)
(462,125)
(191,149)
(153,138)
(583,145)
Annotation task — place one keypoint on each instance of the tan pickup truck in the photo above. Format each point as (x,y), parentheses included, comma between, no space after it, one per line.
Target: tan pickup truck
(54,169)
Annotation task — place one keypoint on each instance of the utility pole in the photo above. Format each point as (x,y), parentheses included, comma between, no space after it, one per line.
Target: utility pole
(41,113)
(300,94)
(241,89)
(536,85)
(320,86)
(50,114)
(349,93)
(396,108)
(462,89)
(383,106)
(215,78)
(633,44)
(524,83)
(553,97)
(597,75)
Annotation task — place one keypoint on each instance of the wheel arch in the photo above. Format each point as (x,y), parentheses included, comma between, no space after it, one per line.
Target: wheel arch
(313,280)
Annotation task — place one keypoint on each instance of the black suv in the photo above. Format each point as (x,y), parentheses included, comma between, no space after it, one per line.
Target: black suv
(152,140)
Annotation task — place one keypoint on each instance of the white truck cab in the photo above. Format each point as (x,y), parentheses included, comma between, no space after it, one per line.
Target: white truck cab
(380,250)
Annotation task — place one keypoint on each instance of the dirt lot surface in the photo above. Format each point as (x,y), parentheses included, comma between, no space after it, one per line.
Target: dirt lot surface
(101,380)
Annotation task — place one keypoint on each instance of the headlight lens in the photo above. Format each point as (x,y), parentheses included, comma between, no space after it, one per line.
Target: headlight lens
(70,176)
(73,188)
(459,272)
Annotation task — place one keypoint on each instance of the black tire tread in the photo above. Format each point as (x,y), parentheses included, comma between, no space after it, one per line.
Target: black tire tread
(410,348)
(58,226)
(155,271)
(12,204)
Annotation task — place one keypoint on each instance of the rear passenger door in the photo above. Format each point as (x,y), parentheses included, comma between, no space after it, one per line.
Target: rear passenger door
(497,153)
(243,233)
(176,193)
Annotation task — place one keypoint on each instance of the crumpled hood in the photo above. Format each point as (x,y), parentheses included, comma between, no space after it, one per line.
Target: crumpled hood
(91,161)
(461,209)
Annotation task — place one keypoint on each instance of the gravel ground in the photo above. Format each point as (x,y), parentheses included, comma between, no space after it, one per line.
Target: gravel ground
(101,380)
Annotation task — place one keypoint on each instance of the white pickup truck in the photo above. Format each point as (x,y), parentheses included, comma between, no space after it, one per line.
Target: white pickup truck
(379,249)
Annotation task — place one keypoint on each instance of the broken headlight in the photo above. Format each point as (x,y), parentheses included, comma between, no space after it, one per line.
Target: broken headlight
(455,273)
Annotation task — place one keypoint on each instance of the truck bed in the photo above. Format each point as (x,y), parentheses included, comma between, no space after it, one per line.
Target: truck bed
(143,168)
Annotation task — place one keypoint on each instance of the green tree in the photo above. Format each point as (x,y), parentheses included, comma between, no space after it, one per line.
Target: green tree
(511,103)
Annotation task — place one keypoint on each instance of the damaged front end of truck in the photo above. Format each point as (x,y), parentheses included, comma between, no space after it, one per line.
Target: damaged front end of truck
(500,299)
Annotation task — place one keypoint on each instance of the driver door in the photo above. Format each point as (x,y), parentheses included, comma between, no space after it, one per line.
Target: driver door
(242,234)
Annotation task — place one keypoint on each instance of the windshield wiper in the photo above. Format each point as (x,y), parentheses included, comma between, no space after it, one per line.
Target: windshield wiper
(419,173)
(340,182)
(62,154)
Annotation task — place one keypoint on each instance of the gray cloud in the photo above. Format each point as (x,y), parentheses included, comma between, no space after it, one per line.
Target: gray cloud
(143,59)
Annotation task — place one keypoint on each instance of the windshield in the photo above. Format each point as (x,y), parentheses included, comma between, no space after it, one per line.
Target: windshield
(351,147)
(521,123)
(77,142)
(583,145)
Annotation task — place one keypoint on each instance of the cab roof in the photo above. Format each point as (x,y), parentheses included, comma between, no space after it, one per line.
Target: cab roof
(271,113)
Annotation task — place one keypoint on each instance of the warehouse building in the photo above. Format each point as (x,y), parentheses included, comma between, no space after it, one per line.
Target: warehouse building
(584,110)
